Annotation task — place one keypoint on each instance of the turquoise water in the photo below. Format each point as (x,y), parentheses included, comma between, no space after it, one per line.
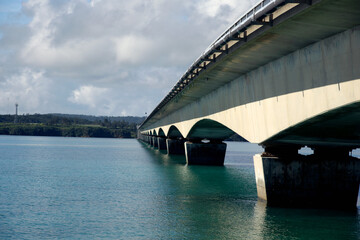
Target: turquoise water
(81,188)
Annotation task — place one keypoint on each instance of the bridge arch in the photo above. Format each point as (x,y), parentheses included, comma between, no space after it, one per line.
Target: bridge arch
(210,129)
(161,132)
(154,133)
(174,132)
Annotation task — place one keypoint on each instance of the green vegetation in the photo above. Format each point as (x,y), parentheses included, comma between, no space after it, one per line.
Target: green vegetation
(69,125)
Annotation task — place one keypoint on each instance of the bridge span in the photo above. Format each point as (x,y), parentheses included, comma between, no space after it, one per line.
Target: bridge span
(285,75)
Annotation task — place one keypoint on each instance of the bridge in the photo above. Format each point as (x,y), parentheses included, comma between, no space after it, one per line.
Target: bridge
(285,75)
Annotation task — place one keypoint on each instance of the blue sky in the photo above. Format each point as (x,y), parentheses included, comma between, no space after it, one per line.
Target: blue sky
(102,57)
(10,12)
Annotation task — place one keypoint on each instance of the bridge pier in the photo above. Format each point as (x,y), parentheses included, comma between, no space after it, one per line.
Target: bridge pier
(175,146)
(328,178)
(198,153)
(161,141)
(152,141)
(155,142)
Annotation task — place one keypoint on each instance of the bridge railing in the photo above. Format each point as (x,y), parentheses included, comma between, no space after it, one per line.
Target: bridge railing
(260,9)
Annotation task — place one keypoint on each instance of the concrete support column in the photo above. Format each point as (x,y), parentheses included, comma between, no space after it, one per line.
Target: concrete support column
(151,141)
(328,180)
(155,142)
(205,153)
(175,146)
(161,143)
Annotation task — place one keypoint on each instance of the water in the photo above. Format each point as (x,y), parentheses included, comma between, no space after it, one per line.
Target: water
(79,188)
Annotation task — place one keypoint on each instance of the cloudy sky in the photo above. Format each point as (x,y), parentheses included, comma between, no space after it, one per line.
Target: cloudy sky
(102,57)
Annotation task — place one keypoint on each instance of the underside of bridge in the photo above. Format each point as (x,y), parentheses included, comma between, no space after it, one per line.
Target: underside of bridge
(289,78)
(338,127)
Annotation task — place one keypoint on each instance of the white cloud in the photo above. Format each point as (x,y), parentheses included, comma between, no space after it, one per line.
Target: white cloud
(230,9)
(28,88)
(110,56)
(106,101)
(89,95)
(212,7)
(132,49)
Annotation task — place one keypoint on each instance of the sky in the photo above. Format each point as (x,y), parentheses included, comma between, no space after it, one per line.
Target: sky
(102,57)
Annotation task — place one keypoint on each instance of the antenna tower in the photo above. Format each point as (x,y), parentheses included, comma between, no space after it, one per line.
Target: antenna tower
(16,113)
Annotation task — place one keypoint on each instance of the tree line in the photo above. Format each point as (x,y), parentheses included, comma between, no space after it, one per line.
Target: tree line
(68,126)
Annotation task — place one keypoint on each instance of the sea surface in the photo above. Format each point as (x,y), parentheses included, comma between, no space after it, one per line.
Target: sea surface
(88,188)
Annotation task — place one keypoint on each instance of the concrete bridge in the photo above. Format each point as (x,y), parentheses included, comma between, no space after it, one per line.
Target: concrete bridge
(285,75)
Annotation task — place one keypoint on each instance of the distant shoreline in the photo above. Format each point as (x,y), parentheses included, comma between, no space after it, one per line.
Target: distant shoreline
(66,125)
(35,129)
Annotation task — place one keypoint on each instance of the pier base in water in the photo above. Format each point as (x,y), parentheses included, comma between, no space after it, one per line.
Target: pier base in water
(318,180)
(154,142)
(161,143)
(205,153)
(175,146)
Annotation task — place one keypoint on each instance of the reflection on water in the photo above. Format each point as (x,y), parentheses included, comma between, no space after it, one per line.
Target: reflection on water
(124,189)
(221,203)
(285,223)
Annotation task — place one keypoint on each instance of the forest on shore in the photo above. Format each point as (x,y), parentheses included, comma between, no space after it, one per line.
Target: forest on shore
(68,125)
